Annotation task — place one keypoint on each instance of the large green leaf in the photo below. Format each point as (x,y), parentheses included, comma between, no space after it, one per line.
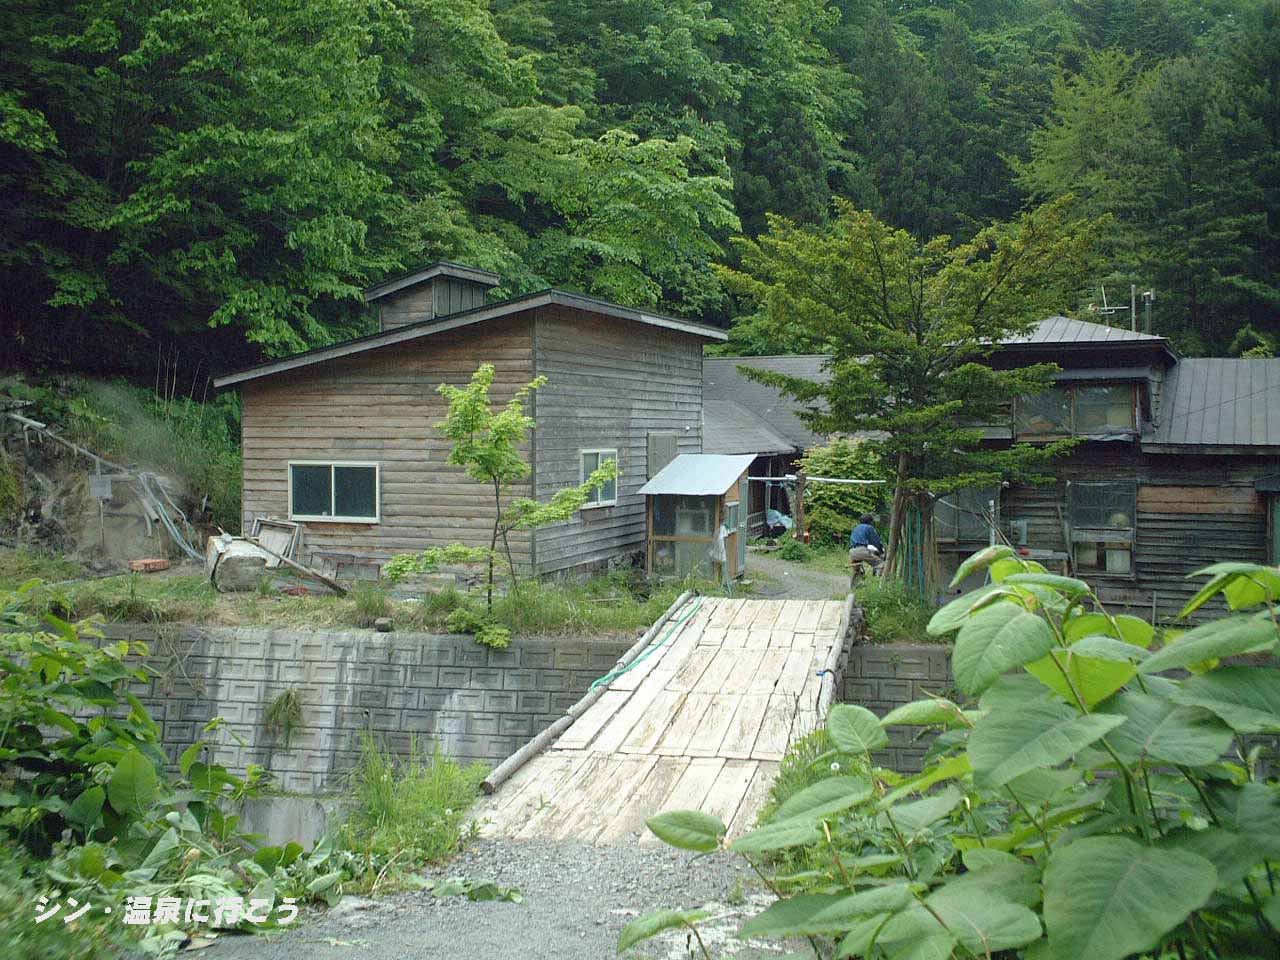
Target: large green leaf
(979,920)
(651,924)
(1158,729)
(923,713)
(688,829)
(825,798)
(797,916)
(855,729)
(1220,638)
(980,561)
(955,614)
(995,640)
(911,818)
(1248,698)
(778,836)
(875,900)
(134,786)
(1241,584)
(87,808)
(1067,585)
(1232,854)
(1069,673)
(1108,897)
(1036,735)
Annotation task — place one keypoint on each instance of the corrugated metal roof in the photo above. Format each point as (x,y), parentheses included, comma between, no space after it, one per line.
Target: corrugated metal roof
(728,427)
(1213,401)
(721,380)
(1066,330)
(698,474)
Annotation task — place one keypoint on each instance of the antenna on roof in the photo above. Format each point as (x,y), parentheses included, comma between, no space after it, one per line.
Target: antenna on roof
(1106,309)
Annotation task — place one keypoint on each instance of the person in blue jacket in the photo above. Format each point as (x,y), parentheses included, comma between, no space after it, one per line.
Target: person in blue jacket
(864,542)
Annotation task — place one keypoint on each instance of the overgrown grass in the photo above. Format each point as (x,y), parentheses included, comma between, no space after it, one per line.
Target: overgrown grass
(894,613)
(20,565)
(412,809)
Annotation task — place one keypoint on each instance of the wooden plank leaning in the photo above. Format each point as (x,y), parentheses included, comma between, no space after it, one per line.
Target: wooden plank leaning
(539,743)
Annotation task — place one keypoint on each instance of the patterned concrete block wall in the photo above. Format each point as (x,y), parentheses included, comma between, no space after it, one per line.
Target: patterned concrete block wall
(477,703)
(881,678)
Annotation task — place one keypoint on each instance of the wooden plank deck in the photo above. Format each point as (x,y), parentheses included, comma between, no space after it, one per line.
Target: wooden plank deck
(701,724)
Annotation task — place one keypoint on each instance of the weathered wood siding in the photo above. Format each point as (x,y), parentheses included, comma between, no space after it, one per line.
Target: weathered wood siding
(609,383)
(411,305)
(382,406)
(1192,511)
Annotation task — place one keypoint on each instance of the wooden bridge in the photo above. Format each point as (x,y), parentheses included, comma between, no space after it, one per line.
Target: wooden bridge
(701,722)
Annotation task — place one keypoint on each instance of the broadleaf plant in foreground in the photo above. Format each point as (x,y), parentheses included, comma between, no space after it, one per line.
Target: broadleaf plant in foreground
(1093,799)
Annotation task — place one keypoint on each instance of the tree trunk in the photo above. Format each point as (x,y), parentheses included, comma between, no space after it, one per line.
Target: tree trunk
(799,525)
(493,543)
(896,513)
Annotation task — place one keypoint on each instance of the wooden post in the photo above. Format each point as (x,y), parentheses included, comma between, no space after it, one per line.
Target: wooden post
(800,505)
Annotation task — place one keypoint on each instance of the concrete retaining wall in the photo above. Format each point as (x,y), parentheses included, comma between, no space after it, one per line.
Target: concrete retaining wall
(478,703)
(881,678)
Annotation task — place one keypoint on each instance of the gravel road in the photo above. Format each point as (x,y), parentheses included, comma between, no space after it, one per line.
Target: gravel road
(776,578)
(577,899)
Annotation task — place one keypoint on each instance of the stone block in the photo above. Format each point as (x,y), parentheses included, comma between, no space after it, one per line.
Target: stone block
(401,697)
(371,697)
(473,655)
(560,702)
(433,699)
(424,676)
(455,677)
(859,690)
(533,702)
(552,680)
(897,691)
(500,702)
(419,721)
(516,726)
(390,674)
(520,680)
(505,659)
(323,672)
(438,653)
(486,678)
(536,659)
(467,700)
(570,659)
(482,724)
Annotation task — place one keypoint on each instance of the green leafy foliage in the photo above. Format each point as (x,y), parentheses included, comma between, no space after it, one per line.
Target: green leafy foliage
(1070,812)
(831,510)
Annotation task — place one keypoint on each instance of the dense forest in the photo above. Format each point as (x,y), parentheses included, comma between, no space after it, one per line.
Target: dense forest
(227,175)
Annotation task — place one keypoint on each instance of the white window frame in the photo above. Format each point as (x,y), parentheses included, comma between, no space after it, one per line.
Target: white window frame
(583,474)
(377,490)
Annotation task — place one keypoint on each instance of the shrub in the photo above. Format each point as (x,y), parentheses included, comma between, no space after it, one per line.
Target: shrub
(831,510)
(1086,804)
(493,635)
(464,619)
(412,810)
(794,551)
(894,612)
(370,602)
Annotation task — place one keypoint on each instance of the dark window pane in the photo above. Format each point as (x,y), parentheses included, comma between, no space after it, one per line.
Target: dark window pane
(1096,506)
(355,491)
(610,490)
(1104,410)
(1045,414)
(311,491)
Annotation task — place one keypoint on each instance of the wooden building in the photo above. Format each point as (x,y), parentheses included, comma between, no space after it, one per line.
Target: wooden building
(744,416)
(697,525)
(1177,467)
(343,438)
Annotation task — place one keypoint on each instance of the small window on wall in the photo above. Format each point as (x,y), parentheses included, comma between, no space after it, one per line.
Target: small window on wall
(334,491)
(966,515)
(592,460)
(1044,415)
(1102,520)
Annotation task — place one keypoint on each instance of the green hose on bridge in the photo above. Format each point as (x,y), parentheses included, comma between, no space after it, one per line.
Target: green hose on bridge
(613,675)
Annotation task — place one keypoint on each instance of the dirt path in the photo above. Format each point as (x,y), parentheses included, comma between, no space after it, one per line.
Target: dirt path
(577,899)
(774,577)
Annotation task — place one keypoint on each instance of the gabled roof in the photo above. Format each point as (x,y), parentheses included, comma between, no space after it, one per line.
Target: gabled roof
(1061,331)
(721,380)
(1212,402)
(728,427)
(698,475)
(465,318)
(441,268)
